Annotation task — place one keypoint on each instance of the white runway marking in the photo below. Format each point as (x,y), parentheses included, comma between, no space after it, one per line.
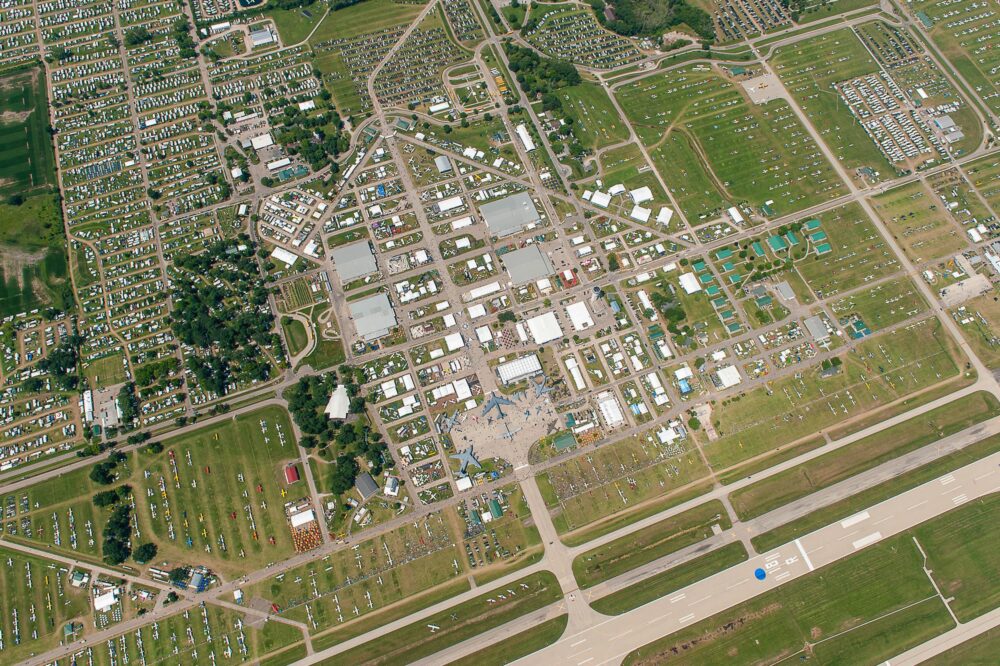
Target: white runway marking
(960,499)
(983,476)
(867,541)
(734,585)
(677,598)
(578,643)
(855,519)
(783,575)
(918,504)
(945,480)
(581,663)
(805,557)
(686,618)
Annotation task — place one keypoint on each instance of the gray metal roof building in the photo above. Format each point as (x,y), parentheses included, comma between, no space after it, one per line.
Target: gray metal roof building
(354,261)
(816,328)
(373,316)
(442,163)
(366,485)
(511,215)
(527,264)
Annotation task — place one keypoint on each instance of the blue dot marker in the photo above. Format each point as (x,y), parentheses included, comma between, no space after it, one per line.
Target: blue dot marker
(760,574)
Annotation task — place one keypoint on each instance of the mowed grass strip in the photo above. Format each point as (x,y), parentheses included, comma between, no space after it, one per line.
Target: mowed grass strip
(455,624)
(671,580)
(963,556)
(877,372)
(859,610)
(864,454)
(518,645)
(872,496)
(643,546)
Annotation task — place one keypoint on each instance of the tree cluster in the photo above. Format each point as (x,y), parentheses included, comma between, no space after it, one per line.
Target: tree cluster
(61,363)
(309,136)
(651,18)
(350,439)
(539,75)
(103,473)
(220,309)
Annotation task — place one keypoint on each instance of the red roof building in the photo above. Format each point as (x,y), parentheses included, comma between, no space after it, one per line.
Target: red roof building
(291,473)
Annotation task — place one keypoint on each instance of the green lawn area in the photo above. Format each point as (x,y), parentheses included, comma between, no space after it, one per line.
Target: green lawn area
(106,371)
(294,25)
(864,454)
(723,134)
(809,69)
(27,158)
(859,253)
(417,563)
(644,546)
(456,624)
(883,305)
(33,249)
(295,335)
(871,496)
(671,580)
(209,491)
(876,372)
(963,557)
(616,485)
(40,617)
(595,121)
(860,610)
(517,646)
(326,353)
(919,222)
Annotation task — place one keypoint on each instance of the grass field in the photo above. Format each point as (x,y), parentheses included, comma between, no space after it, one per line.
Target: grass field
(38,591)
(875,373)
(295,336)
(809,69)
(884,305)
(642,547)
(33,260)
(596,123)
(919,222)
(864,454)
(985,176)
(326,353)
(605,486)
(455,624)
(197,484)
(195,635)
(979,320)
(294,25)
(859,255)
(363,580)
(27,159)
(724,133)
(969,573)
(519,645)
(106,371)
(871,496)
(860,610)
(671,580)
(968,37)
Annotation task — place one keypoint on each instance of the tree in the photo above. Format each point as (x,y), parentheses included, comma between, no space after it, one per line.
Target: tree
(507,316)
(694,423)
(144,553)
(178,575)
(344,472)
(103,474)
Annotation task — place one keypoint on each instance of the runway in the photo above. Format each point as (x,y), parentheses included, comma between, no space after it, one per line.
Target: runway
(608,641)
